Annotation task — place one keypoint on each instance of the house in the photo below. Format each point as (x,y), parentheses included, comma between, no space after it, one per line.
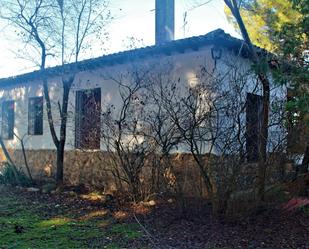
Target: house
(23,110)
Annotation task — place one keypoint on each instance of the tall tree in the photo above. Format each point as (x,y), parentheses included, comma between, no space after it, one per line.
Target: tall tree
(57,31)
(260,65)
(293,51)
(264,19)
(282,27)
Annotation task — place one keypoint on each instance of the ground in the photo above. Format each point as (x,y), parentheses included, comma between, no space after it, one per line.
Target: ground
(35,220)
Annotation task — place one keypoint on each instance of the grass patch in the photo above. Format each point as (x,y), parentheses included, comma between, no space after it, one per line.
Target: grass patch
(129,231)
(55,222)
(40,227)
(52,233)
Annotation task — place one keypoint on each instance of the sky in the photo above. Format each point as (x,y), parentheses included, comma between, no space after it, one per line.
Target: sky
(132,19)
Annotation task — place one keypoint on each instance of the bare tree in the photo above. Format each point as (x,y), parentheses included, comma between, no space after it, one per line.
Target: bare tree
(12,163)
(122,130)
(208,119)
(22,143)
(57,29)
(158,114)
(159,125)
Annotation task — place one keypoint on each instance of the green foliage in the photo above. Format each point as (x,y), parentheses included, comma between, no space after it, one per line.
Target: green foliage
(261,67)
(293,35)
(7,176)
(282,27)
(264,19)
(293,44)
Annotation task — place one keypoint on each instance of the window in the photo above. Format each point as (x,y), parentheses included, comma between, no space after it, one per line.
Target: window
(35,116)
(7,129)
(88,121)
(254,111)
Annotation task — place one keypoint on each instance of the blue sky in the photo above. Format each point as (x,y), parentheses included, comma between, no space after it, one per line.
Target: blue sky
(135,18)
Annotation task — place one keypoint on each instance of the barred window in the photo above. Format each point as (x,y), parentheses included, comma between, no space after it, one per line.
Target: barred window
(35,116)
(87,119)
(8,117)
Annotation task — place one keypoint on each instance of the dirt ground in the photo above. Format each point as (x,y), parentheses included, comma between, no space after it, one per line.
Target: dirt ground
(66,220)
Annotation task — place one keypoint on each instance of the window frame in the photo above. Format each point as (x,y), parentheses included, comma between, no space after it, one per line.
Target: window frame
(81,97)
(10,119)
(38,127)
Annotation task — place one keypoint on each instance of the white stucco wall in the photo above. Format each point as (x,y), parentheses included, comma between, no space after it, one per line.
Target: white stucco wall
(185,66)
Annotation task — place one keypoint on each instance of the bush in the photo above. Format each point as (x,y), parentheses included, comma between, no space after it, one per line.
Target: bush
(7,176)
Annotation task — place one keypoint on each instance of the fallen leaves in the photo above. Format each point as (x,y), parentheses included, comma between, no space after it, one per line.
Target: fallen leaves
(90,220)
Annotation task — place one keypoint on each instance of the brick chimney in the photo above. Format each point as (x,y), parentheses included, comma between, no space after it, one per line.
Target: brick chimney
(165,21)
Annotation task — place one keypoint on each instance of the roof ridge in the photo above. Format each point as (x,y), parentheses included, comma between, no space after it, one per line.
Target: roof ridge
(218,37)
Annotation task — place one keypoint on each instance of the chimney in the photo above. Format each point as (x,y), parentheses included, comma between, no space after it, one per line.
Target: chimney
(165,21)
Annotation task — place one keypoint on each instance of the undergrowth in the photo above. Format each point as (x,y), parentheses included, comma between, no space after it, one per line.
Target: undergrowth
(8,176)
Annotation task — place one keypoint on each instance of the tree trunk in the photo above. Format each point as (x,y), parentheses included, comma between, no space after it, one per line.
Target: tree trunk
(263,137)
(60,159)
(59,142)
(25,160)
(67,83)
(10,161)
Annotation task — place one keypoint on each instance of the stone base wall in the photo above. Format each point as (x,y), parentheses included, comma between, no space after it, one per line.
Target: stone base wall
(88,168)
(95,169)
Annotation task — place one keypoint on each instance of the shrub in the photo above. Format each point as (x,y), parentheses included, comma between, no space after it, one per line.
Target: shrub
(7,176)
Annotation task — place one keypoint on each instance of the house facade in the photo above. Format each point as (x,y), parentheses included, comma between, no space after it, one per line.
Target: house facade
(95,89)
(23,110)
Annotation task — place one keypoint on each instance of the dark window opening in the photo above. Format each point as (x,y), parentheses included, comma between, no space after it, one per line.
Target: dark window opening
(8,119)
(254,111)
(88,120)
(35,116)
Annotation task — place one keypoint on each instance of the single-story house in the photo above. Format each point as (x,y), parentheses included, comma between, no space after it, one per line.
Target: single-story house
(23,111)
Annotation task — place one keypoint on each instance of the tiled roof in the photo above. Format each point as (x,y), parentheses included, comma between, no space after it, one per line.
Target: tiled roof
(217,37)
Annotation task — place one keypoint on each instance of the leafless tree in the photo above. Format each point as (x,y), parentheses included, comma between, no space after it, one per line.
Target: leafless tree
(159,126)
(122,130)
(208,119)
(11,162)
(57,30)
(22,144)
(159,114)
